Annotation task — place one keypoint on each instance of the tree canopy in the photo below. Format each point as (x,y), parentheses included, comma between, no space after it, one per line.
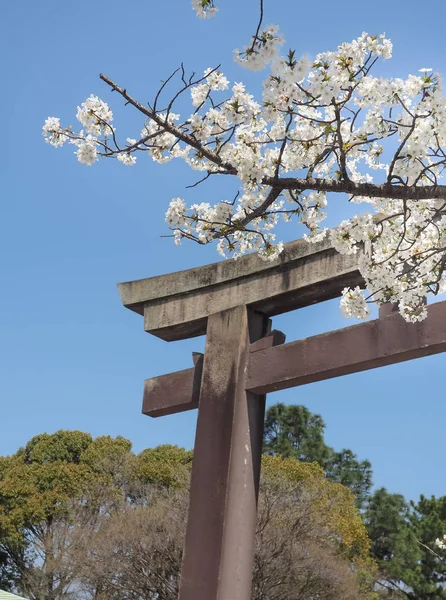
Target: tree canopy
(84,517)
(402,536)
(294,431)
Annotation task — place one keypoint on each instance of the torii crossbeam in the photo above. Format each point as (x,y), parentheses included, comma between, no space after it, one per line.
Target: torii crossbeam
(232,302)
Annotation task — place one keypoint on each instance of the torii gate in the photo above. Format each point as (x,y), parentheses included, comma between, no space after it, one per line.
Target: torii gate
(231,302)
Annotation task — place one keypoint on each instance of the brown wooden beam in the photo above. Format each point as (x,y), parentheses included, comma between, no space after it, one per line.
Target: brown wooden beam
(173,393)
(377,343)
(273,338)
(180,391)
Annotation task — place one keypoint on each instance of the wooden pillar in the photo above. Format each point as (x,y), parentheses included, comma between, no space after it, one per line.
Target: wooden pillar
(219,547)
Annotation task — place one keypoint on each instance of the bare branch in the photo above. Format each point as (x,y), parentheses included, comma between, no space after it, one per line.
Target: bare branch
(184,137)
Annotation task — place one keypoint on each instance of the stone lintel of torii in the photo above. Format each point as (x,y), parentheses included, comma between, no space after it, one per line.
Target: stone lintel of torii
(176,306)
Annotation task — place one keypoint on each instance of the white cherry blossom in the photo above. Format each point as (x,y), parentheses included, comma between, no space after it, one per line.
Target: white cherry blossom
(53,132)
(322,126)
(86,152)
(261,51)
(441,543)
(353,303)
(126,158)
(95,115)
(204,9)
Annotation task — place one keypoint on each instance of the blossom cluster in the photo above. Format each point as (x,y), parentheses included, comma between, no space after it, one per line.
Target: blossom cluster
(204,8)
(404,253)
(96,117)
(213,81)
(204,223)
(262,51)
(353,303)
(441,543)
(322,125)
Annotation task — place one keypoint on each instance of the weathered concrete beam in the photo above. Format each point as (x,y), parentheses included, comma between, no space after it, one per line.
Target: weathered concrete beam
(377,343)
(177,306)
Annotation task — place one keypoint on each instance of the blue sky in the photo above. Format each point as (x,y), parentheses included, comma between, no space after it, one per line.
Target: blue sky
(71,356)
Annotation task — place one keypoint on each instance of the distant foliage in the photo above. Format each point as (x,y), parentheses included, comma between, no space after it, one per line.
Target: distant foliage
(88,519)
(403,544)
(294,431)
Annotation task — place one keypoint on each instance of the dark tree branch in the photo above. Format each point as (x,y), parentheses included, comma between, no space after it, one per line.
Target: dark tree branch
(168,127)
(371,190)
(256,35)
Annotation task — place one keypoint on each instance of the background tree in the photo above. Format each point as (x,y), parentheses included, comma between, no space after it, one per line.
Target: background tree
(294,431)
(393,546)
(137,552)
(402,536)
(53,493)
(311,541)
(84,518)
(428,522)
(165,465)
(344,467)
(38,486)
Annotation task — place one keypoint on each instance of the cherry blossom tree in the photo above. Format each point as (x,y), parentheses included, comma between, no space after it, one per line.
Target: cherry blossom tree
(323,126)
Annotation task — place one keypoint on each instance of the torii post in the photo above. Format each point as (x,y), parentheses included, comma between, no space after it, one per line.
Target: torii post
(231,302)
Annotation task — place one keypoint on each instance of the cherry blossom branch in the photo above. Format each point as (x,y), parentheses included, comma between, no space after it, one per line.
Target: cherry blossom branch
(287,183)
(184,137)
(397,155)
(260,210)
(321,127)
(342,154)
